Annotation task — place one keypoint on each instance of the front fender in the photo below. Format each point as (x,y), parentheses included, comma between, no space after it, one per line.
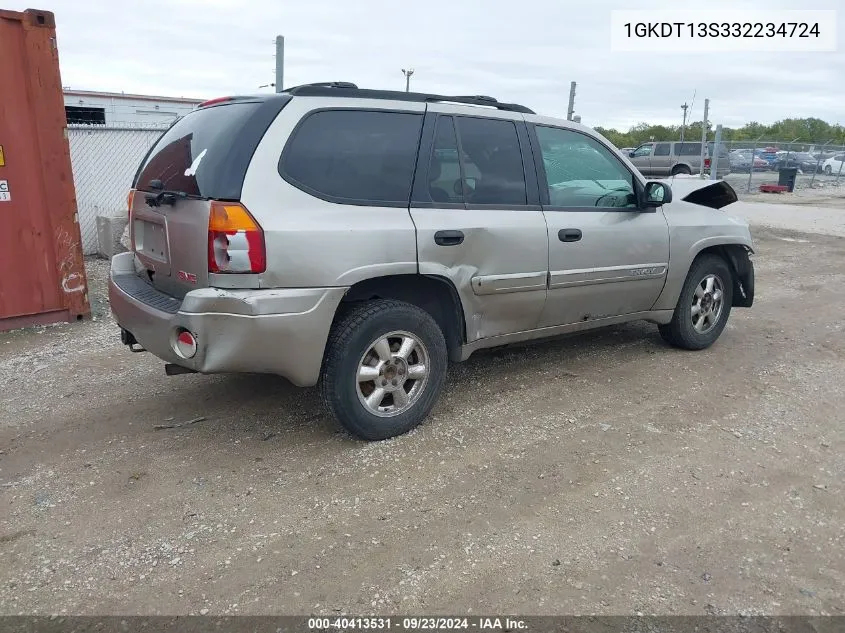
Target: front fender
(736,250)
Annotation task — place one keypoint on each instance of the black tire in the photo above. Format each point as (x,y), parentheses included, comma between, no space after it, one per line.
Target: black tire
(681,332)
(351,337)
(828,170)
(681,169)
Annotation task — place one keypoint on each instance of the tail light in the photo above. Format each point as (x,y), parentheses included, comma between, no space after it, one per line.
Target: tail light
(130,199)
(707,163)
(235,240)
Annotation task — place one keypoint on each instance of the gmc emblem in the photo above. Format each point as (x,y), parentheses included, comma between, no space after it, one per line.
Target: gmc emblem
(189,277)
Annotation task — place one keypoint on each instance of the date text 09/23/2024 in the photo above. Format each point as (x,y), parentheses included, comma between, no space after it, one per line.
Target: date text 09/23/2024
(416,623)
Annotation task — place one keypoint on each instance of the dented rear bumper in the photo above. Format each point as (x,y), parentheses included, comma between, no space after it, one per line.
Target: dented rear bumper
(276,331)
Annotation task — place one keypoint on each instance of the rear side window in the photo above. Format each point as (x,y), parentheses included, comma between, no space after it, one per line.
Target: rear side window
(493,170)
(354,156)
(661,149)
(688,149)
(206,153)
(444,168)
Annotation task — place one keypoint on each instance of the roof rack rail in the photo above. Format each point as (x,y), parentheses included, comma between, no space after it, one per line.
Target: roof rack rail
(350,90)
(324,84)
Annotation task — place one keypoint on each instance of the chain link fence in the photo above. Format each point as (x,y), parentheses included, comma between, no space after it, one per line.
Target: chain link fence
(817,166)
(104,160)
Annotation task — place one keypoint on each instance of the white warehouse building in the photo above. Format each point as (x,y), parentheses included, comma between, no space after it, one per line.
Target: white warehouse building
(116,108)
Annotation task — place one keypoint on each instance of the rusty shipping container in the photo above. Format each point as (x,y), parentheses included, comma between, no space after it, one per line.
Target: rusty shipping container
(42,273)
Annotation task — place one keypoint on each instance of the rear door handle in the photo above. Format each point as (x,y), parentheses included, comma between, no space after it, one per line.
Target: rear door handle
(569,235)
(448,238)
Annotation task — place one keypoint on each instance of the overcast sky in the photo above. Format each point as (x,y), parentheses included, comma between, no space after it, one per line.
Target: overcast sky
(526,51)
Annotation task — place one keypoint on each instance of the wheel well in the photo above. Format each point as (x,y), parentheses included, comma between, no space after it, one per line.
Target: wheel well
(737,257)
(435,295)
(681,166)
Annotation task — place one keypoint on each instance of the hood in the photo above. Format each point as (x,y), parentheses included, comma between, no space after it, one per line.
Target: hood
(715,194)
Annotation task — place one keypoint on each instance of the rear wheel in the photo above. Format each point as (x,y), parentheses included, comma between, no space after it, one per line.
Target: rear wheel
(703,307)
(384,369)
(828,170)
(680,169)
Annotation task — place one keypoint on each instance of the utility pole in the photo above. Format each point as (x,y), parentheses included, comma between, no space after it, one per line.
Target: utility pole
(714,160)
(704,136)
(684,107)
(408,74)
(571,109)
(280,62)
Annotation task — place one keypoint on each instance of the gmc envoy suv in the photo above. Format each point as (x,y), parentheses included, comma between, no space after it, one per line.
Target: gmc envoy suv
(360,240)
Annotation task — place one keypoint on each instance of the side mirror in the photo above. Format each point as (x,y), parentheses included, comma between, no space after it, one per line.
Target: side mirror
(656,194)
(631,154)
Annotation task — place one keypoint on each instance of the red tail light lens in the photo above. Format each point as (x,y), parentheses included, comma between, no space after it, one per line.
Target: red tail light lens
(130,198)
(707,162)
(235,240)
(214,101)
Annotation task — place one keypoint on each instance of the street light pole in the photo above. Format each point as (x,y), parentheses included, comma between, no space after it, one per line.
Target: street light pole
(408,73)
(684,107)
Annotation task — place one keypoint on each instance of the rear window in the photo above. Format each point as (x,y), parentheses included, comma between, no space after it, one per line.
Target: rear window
(354,156)
(723,150)
(206,153)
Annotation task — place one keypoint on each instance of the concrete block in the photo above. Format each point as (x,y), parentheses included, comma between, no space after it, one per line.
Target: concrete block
(109,233)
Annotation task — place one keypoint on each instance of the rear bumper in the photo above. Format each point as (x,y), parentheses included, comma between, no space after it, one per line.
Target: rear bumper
(276,331)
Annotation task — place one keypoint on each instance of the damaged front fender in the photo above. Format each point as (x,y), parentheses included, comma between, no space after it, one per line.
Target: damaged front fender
(715,194)
(743,268)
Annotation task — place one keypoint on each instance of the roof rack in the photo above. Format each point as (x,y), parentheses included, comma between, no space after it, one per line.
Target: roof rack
(350,90)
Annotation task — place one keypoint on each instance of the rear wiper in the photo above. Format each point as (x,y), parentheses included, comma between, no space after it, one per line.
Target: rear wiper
(164,197)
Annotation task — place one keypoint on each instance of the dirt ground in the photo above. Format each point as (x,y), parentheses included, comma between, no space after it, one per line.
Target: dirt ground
(605,473)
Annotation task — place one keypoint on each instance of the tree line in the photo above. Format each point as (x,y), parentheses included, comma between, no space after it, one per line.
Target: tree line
(807,131)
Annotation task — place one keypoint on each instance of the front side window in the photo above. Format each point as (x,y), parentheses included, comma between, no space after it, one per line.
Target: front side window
(581,172)
(493,172)
(643,150)
(354,156)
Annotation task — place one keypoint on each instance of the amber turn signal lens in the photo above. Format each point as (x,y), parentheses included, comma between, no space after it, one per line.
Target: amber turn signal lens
(229,216)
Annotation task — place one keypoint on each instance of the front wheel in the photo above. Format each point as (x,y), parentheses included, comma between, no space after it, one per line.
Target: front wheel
(828,170)
(384,369)
(703,307)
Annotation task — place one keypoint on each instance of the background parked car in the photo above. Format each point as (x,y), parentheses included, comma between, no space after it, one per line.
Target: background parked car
(833,165)
(670,158)
(768,154)
(743,160)
(804,161)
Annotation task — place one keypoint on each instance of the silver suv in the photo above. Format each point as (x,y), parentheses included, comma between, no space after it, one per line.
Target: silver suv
(671,158)
(360,240)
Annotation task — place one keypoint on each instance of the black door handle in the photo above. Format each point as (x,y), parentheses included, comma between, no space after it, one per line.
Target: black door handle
(448,238)
(569,235)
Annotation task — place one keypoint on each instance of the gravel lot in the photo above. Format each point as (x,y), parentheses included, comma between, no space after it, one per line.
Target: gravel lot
(605,473)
